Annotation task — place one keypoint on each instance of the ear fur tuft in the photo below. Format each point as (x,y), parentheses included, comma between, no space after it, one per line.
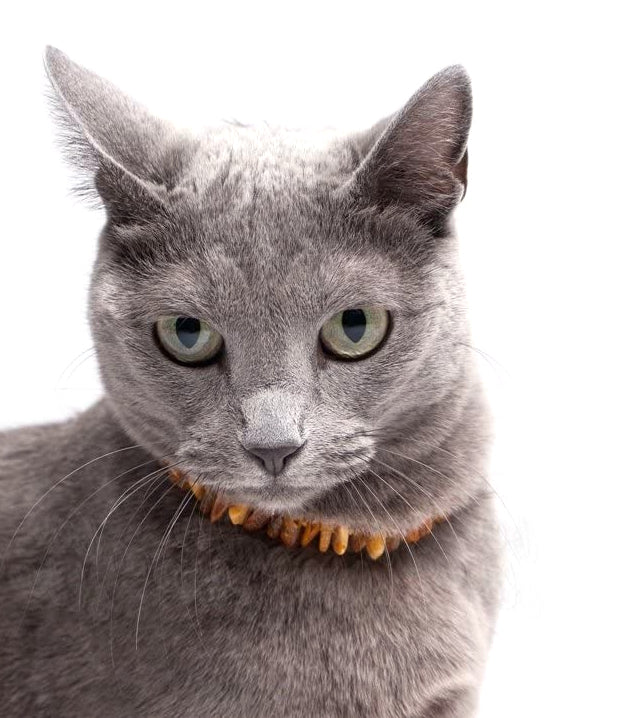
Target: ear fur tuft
(123,155)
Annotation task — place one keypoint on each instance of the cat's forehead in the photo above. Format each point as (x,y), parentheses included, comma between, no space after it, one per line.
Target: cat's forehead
(261,197)
(247,161)
(278,270)
(270,259)
(264,290)
(254,223)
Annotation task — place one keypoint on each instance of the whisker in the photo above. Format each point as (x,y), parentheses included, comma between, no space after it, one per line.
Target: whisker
(423,491)
(56,485)
(136,531)
(351,496)
(377,523)
(168,530)
(478,474)
(198,628)
(184,538)
(435,447)
(150,484)
(195,569)
(403,498)
(66,521)
(493,363)
(191,496)
(124,497)
(130,491)
(432,469)
(76,362)
(424,602)
(160,552)
(470,495)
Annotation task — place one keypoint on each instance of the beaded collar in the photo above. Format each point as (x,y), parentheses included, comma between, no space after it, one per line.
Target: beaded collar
(293,531)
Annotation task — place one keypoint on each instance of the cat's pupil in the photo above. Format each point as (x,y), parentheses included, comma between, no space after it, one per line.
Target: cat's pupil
(188,331)
(354,324)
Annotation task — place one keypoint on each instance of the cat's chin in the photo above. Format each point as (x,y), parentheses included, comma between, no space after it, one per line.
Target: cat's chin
(277,498)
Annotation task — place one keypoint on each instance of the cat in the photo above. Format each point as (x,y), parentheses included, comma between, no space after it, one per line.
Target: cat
(279,506)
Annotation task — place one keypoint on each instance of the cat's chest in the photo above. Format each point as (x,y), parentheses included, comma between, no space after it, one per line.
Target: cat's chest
(302,629)
(210,621)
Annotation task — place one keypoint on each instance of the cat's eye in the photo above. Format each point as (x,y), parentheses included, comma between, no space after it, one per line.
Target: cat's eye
(188,340)
(355,333)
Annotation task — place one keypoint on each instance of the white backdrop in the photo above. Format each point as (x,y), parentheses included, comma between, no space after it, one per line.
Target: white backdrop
(542,242)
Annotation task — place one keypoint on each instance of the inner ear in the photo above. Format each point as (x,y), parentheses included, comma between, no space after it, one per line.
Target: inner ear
(420,160)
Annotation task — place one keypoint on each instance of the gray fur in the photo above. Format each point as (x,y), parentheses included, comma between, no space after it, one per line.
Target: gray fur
(265,234)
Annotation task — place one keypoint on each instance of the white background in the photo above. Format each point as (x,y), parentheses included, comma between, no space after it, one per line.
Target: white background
(542,241)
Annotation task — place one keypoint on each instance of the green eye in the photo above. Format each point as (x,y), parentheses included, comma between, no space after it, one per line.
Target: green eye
(188,340)
(355,333)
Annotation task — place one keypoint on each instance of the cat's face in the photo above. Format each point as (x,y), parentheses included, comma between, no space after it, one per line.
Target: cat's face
(268,308)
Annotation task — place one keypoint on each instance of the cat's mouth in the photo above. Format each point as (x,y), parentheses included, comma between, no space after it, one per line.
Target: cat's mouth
(277,495)
(291,490)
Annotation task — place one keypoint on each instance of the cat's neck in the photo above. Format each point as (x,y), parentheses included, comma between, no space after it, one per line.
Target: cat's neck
(299,531)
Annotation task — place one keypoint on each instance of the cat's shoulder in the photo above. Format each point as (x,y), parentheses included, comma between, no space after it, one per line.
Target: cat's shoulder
(19,444)
(39,443)
(32,458)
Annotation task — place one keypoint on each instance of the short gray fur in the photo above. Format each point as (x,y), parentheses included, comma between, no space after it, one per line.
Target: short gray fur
(265,234)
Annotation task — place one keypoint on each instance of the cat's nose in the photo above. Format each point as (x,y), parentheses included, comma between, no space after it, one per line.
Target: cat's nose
(272,426)
(274,457)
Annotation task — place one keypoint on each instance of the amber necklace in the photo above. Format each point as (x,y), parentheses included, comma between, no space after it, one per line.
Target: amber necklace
(292,530)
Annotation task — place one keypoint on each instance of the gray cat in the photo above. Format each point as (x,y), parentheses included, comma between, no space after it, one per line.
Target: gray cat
(279,506)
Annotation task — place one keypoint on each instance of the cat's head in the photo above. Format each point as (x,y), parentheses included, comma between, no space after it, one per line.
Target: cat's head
(272,308)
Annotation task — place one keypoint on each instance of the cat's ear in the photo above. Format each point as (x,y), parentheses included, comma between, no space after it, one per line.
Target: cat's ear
(121,152)
(420,156)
